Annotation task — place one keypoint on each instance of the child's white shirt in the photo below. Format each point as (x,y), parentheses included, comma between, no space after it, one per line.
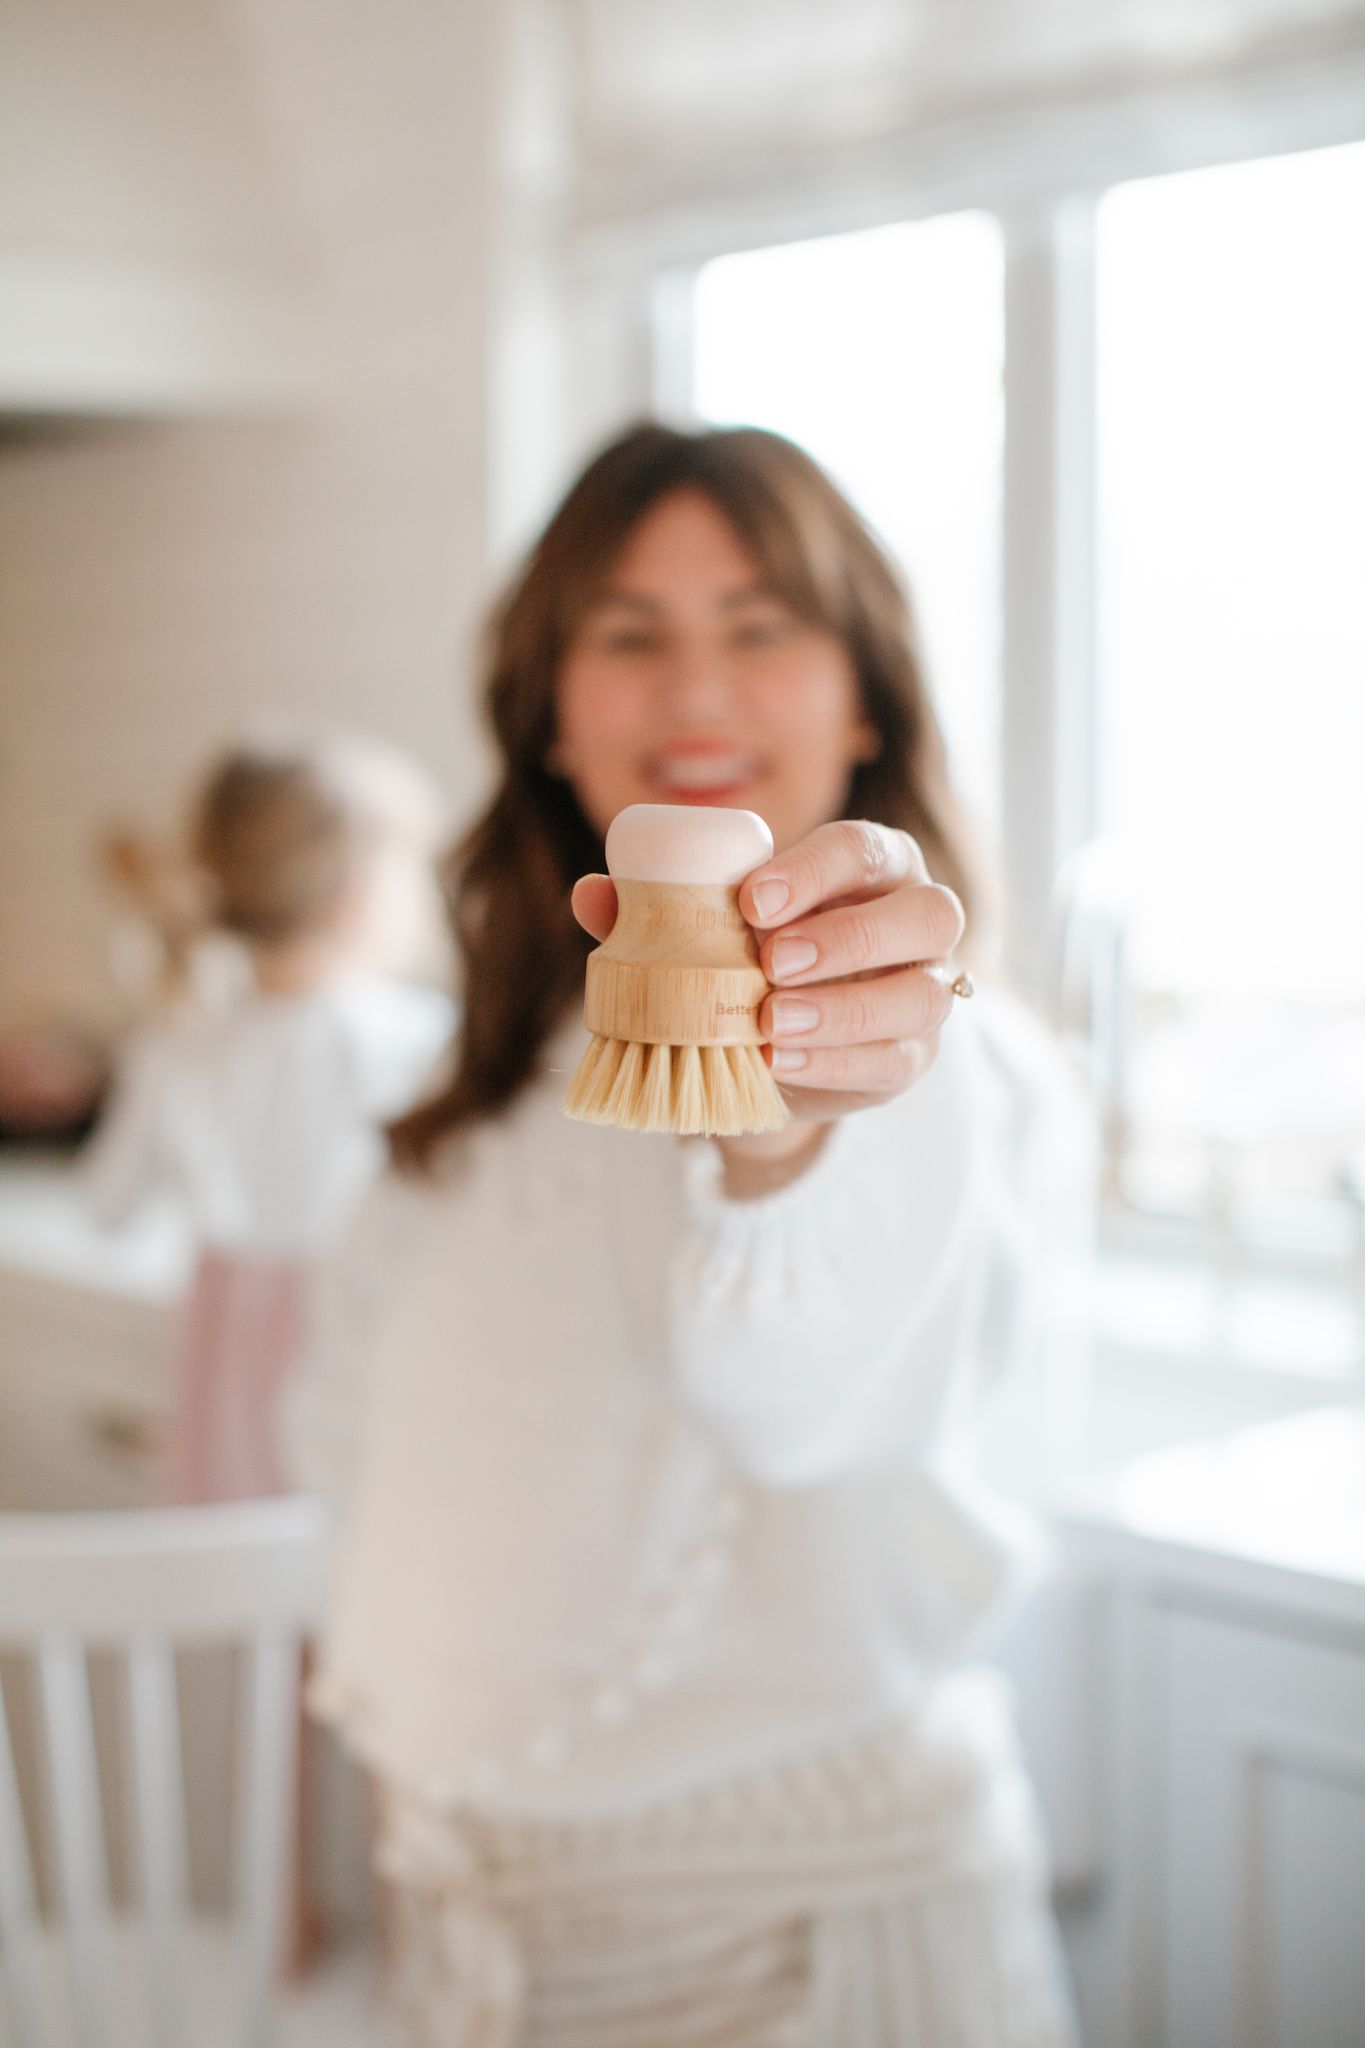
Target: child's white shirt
(643,1487)
(265,1119)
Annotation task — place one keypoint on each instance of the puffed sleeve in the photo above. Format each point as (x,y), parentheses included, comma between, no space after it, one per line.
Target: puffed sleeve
(855,1318)
(400,1035)
(127,1160)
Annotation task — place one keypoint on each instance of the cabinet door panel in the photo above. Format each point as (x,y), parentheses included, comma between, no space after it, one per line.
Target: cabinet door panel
(1315,1922)
(85,1386)
(1263,1848)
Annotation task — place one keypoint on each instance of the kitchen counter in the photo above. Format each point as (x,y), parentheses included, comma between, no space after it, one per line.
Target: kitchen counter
(47,1232)
(87,1332)
(1273,1514)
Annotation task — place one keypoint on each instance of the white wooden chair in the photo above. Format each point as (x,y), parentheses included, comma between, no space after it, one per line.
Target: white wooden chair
(139,1587)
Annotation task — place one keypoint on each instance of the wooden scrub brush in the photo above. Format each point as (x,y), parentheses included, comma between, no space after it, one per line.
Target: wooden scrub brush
(673,994)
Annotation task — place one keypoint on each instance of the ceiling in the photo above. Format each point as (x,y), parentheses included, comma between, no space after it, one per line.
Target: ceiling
(657,79)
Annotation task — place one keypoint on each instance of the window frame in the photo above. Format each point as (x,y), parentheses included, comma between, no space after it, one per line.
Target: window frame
(1040,171)
(634,246)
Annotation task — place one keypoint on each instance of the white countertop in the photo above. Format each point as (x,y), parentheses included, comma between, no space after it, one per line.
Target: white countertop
(47,1230)
(1273,1513)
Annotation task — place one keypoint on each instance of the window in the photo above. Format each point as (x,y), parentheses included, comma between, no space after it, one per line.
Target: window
(1231,711)
(881,353)
(1231,335)
(1228,693)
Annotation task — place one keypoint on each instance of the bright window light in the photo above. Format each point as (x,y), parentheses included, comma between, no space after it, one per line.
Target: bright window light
(1232,537)
(881,352)
(1231,364)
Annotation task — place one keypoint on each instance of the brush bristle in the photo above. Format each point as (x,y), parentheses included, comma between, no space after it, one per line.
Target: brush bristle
(761,1107)
(627,1083)
(721,1091)
(654,1109)
(689,1091)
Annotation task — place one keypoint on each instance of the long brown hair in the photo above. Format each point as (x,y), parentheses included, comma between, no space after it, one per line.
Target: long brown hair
(509,880)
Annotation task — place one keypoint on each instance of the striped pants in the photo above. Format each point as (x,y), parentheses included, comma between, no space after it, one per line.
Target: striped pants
(888,1895)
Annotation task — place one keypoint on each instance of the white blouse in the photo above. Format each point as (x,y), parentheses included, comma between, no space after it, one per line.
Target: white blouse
(651,1487)
(264,1119)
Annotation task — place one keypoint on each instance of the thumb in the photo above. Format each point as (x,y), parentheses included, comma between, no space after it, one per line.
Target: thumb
(594,904)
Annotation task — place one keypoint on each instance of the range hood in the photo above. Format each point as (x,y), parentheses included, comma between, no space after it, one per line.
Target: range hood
(149,258)
(110,339)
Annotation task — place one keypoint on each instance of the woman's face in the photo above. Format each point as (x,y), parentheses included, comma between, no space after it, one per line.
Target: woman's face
(690,681)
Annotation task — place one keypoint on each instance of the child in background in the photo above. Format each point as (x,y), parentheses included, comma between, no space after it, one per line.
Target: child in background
(263,1115)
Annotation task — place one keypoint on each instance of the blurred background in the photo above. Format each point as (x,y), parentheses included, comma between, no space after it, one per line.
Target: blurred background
(306,314)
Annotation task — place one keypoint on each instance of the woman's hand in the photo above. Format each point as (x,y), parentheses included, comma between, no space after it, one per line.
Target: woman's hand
(856,939)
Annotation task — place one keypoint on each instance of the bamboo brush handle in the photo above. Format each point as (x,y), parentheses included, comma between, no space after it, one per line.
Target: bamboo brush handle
(680,968)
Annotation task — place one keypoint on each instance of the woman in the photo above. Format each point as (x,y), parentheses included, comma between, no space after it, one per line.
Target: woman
(659,1571)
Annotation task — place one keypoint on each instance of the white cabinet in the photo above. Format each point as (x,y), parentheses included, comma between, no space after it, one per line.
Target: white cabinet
(87,1333)
(1260,1782)
(1230,1900)
(85,1388)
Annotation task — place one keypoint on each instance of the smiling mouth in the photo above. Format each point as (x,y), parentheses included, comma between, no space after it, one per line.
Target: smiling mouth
(702,777)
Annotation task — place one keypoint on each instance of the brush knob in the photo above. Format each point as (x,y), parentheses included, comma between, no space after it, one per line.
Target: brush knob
(687,843)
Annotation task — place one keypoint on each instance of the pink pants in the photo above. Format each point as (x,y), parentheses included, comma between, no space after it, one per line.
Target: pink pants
(242,1335)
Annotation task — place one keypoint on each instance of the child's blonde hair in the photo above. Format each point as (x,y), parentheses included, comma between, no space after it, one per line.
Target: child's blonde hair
(279,832)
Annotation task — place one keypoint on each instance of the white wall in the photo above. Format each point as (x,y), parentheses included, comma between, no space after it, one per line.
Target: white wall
(161,580)
(147,138)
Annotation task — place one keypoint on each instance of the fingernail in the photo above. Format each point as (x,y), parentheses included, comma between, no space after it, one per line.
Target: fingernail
(793,956)
(791,1015)
(789,1059)
(770,898)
